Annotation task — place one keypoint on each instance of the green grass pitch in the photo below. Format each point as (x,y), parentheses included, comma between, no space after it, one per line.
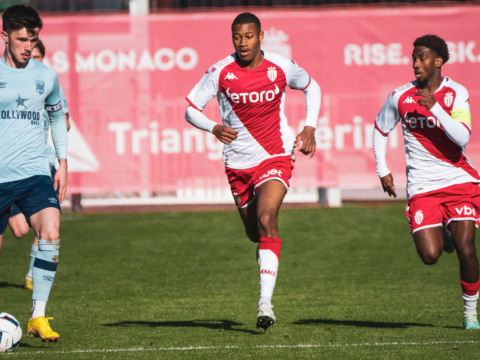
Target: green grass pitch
(184,285)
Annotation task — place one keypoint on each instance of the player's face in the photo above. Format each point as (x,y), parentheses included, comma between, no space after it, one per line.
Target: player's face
(37,55)
(18,46)
(246,40)
(426,63)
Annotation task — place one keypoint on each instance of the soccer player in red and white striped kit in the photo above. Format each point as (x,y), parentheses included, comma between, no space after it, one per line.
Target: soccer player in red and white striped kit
(442,185)
(258,143)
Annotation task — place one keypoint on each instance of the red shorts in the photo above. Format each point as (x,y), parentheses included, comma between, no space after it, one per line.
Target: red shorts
(440,207)
(243,182)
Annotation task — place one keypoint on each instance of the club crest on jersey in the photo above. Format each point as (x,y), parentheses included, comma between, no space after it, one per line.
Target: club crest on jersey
(419,217)
(448,99)
(40,86)
(272,73)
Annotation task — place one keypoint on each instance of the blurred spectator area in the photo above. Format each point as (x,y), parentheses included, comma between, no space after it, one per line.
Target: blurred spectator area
(105,6)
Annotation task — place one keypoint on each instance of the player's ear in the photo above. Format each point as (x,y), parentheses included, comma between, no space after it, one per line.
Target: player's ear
(260,36)
(5,37)
(438,62)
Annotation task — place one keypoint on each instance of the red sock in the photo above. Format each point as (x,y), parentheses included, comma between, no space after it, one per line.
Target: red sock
(470,289)
(272,244)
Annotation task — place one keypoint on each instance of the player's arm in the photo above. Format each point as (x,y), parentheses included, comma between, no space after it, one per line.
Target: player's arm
(65,108)
(306,139)
(224,134)
(58,127)
(384,123)
(457,124)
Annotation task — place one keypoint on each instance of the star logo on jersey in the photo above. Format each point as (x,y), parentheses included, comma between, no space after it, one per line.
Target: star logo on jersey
(230,76)
(409,100)
(272,73)
(448,99)
(20,101)
(40,88)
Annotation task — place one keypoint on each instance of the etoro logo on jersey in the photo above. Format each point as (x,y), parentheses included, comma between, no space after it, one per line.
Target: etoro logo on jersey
(253,97)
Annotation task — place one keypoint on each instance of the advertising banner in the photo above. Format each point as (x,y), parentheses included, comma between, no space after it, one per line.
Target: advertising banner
(126,79)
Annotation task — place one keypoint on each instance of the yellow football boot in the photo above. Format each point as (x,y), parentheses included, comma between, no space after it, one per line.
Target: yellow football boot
(39,327)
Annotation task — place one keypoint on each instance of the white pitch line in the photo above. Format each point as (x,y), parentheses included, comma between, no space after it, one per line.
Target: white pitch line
(226,347)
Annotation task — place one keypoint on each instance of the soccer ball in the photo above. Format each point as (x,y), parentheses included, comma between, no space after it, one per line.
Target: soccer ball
(10,332)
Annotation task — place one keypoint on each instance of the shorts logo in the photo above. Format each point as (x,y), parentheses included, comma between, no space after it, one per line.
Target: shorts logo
(236,198)
(448,99)
(465,210)
(53,200)
(419,217)
(40,86)
(272,172)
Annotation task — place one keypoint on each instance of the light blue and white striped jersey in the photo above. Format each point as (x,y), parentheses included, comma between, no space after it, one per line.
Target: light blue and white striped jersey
(25,95)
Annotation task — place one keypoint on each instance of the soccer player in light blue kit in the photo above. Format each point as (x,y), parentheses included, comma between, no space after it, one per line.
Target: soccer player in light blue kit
(27,90)
(17,222)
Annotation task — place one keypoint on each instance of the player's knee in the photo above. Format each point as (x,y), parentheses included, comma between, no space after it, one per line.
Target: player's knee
(20,232)
(52,235)
(267,221)
(429,257)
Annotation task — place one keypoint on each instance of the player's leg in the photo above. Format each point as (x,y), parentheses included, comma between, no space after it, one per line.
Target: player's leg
(429,244)
(33,255)
(248,214)
(463,233)
(46,224)
(270,196)
(17,223)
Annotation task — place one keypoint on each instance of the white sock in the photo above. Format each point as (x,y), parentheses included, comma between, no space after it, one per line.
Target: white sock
(268,275)
(38,308)
(469,304)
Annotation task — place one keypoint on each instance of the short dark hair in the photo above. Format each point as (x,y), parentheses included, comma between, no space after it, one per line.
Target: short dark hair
(17,17)
(434,43)
(39,45)
(247,18)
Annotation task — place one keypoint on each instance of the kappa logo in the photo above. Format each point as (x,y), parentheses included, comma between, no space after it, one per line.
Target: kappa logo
(230,76)
(409,100)
(419,217)
(465,210)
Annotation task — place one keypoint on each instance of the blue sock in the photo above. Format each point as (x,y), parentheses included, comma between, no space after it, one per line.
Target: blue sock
(33,255)
(44,268)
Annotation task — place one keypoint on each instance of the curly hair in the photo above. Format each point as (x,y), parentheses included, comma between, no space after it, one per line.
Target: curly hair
(434,43)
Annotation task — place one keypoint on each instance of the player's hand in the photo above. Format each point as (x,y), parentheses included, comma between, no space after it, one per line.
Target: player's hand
(224,134)
(388,186)
(305,141)
(60,180)
(427,99)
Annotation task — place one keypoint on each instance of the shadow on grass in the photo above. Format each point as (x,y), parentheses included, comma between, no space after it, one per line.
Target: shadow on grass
(5,284)
(209,324)
(366,324)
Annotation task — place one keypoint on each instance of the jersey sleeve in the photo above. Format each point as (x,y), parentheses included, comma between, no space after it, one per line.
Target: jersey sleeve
(64,101)
(300,78)
(388,116)
(461,107)
(53,103)
(204,90)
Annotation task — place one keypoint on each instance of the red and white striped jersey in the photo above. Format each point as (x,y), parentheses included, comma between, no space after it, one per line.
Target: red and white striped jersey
(434,161)
(251,101)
